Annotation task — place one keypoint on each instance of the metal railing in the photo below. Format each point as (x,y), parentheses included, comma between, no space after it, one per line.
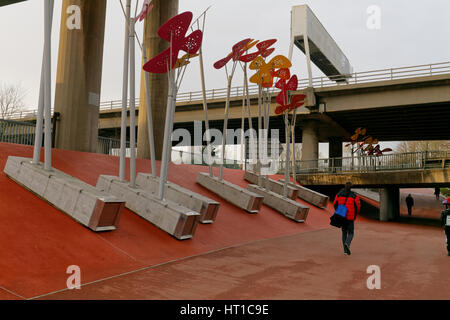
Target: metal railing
(387,162)
(17,132)
(318,82)
(24,133)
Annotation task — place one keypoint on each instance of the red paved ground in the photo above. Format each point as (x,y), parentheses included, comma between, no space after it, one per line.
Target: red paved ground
(308,265)
(241,256)
(39,242)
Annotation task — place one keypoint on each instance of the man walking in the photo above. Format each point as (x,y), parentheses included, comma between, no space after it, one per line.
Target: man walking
(437,193)
(409,203)
(353,204)
(445,221)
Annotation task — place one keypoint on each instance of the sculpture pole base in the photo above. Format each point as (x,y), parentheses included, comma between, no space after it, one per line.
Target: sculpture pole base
(287,207)
(315,198)
(240,197)
(206,207)
(95,209)
(170,217)
(271,185)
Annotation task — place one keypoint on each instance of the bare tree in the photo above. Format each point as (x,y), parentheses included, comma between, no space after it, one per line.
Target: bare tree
(420,146)
(11,99)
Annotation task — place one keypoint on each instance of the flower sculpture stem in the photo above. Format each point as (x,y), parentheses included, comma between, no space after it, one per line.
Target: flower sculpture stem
(42,104)
(123,127)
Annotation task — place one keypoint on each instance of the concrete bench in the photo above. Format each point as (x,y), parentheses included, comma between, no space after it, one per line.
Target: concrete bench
(288,207)
(315,198)
(206,207)
(95,209)
(271,185)
(240,197)
(170,217)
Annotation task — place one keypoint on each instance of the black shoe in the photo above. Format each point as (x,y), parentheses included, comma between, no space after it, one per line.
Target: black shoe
(347,250)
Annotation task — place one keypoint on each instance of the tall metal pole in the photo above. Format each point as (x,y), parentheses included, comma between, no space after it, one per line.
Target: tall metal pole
(40,112)
(225,126)
(205,109)
(48,85)
(132,106)
(171,100)
(123,127)
(151,137)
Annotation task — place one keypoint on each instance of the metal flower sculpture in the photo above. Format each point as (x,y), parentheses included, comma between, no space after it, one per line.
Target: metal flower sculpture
(174,31)
(265,74)
(146,8)
(367,144)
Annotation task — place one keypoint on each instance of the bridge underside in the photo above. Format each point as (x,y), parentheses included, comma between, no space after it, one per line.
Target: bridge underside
(414,122)
(399,179)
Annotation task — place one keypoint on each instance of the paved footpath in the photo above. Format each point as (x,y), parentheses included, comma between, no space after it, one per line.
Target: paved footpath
(308,265)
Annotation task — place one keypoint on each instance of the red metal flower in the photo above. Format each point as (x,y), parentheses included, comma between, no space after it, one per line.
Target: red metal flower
(286,86)
(146,8)
(237,52)
(297,101)
(174,31)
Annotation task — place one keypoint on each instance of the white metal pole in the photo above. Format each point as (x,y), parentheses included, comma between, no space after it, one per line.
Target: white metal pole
(250,124)
(260,133)
(294,169)
(286,169)
(151,137)
(225,126)
(132,106)
(123,127)
(205,109)
(40,113)
(167,135)
(48,86)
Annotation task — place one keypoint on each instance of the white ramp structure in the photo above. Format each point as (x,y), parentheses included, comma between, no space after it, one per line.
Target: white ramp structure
(310,36)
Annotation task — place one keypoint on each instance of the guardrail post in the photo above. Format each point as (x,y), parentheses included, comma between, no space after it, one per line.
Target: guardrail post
(356,77)
(392,74)
(431,70)
(212,97)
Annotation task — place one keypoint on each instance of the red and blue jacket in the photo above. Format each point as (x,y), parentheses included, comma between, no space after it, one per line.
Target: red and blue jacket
(351,201)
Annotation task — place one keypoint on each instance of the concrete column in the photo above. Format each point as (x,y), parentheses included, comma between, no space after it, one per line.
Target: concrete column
(162,11)
(335,151)
(310,143)
(389,203)
(79,75)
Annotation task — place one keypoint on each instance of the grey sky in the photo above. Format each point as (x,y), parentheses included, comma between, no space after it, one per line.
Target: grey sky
(412,32)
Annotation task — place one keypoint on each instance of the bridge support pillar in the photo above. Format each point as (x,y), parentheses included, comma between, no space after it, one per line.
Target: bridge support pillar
(389,203)
(162,11)
(310,144)
(79,75)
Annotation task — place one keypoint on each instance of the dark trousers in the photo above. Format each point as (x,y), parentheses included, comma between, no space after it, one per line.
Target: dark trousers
(447,235)
(409,210)
(348,230)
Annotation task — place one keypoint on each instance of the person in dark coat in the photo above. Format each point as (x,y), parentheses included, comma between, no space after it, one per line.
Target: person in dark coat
(353,204)
(437,193)
(409,203)
(445,222)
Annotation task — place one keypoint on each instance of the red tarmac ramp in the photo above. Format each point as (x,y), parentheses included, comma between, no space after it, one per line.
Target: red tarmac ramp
(38,242)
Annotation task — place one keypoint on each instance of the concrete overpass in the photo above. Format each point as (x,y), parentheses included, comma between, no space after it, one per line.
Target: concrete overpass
(389,172)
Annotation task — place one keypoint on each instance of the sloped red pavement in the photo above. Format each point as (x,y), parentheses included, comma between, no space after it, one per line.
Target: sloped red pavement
(38,242)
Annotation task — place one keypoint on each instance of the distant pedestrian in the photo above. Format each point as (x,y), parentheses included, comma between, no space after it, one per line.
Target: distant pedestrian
(437,193)
(445,221)
(351,201)
(409,203)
